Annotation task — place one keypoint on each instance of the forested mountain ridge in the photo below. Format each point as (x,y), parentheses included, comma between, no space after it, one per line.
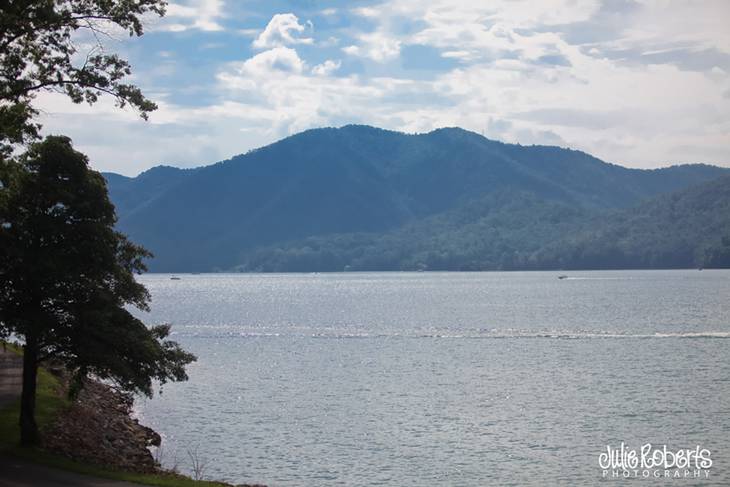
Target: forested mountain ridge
(688,228)
(359,182)
(513,230)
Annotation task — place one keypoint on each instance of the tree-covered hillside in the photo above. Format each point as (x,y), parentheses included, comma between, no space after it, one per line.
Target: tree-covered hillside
(689,228)
(494,232)
(447,199)
(511,230)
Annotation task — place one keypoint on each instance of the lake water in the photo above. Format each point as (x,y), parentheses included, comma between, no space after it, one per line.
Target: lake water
(463,379)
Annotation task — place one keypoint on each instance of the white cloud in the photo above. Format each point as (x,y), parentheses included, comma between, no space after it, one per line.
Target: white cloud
(699,25)
(331,41)
(597,105)
(518,13)
(462,55)
(326,68)
(279,60)
(520,77)
(378,46)
(194,14)
(282,30)
(368,12)
(272,95)
(463,28)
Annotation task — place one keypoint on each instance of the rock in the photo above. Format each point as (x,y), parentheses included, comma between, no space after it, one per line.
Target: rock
(98,429)
(151,436)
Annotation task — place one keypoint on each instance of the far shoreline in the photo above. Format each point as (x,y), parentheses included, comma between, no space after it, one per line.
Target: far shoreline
(491,271)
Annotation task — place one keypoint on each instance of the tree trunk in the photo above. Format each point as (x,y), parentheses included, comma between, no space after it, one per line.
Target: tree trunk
(28,428)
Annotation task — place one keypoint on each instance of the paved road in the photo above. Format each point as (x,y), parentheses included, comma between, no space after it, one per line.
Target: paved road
(11,370)
(20,473)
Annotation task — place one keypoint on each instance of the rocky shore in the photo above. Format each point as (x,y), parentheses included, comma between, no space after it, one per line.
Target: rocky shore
(98,429)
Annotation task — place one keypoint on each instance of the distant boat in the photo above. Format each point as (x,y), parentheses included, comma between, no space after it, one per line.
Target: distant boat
(562,277)
(174,278)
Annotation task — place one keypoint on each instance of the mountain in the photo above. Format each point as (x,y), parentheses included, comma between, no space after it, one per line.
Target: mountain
(514,230)
(688,228)
(360,182)
(134,194)
(491,232)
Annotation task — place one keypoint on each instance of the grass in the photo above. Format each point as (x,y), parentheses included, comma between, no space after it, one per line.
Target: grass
(50,401)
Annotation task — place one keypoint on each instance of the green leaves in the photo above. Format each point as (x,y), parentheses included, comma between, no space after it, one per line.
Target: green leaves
(16,126)
(67,276)
(38,52)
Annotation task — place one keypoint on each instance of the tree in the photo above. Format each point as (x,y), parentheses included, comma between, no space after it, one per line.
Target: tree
(66,277)
(39,50)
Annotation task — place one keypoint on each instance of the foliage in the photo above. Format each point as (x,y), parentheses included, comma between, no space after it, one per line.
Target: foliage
(685,229)
(513,230)
(493,232)
(67,276)
(360,182)
(40,50)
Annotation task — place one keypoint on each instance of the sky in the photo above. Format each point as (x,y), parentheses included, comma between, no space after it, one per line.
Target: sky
(642,83)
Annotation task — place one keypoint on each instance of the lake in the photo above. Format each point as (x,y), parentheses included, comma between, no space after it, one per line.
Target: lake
(463,379)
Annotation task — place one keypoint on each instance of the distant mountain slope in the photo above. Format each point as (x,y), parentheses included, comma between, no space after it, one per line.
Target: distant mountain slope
(357,180)
(133,194)
(514,230)
(495,232)
(688,228)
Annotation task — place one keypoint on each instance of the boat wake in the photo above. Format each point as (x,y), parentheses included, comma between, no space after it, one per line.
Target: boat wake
(329,333)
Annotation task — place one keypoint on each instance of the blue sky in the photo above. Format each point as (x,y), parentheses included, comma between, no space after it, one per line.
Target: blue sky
(639,83)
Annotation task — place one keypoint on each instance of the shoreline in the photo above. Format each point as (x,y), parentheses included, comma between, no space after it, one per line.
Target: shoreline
(434,271)
(95,435)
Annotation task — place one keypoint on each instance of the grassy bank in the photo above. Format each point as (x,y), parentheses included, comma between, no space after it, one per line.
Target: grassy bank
(51,400)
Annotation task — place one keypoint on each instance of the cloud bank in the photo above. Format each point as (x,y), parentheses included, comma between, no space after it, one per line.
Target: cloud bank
(632,82)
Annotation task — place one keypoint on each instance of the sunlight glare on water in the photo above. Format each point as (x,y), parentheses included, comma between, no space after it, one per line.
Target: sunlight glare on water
(407,379)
